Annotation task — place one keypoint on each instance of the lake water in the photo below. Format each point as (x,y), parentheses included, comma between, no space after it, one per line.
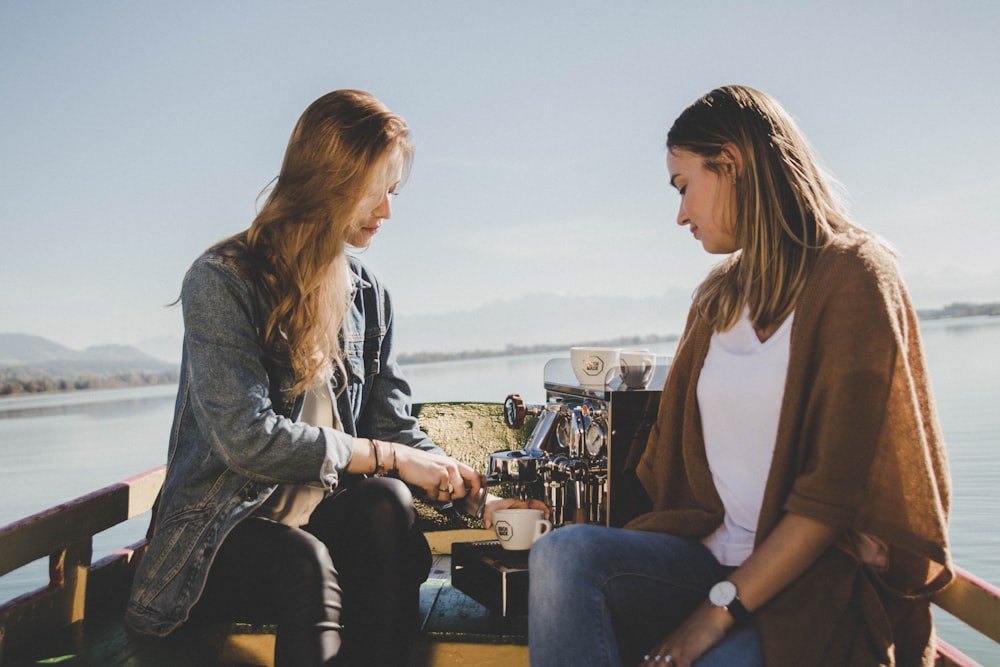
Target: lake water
(54,448)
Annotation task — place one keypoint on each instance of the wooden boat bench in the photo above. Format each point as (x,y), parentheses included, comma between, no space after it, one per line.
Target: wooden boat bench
(77,618)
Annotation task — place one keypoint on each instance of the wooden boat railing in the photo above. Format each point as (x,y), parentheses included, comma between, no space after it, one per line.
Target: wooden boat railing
(79,587)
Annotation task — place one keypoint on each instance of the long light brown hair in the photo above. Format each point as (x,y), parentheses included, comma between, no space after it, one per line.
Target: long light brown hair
(335,160)
(785,207)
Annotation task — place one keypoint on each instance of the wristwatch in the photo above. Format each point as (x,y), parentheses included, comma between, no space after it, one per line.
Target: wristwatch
(725,595)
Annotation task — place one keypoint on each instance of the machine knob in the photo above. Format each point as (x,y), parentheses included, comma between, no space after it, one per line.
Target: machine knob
(514,411)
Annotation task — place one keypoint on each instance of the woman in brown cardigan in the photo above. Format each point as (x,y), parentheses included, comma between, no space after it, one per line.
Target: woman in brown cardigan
(797,472)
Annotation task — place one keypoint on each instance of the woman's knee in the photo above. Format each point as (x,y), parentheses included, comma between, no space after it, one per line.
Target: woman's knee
(306,559)
(385,500)
(560,551)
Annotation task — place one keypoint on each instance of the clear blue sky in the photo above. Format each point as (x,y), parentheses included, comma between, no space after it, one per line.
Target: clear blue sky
(135,134)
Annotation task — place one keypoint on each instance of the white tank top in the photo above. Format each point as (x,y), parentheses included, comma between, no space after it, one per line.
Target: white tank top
(739,395)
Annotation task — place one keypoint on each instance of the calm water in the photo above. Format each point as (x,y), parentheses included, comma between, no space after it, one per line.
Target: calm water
(57,447)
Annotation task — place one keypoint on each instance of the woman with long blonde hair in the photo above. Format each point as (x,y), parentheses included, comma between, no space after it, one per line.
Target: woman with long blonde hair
(796,475)
(293,451)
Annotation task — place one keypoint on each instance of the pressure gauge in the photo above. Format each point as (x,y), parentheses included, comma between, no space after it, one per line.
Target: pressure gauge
(568,432)
(570,429)
(596,437)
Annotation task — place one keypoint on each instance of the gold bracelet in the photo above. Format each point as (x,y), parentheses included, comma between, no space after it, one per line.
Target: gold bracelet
(378,464)
(395,466)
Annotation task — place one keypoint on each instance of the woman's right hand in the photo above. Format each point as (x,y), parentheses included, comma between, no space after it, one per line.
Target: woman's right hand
(441,478)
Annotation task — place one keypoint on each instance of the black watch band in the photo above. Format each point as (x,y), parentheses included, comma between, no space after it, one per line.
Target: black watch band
(737,610)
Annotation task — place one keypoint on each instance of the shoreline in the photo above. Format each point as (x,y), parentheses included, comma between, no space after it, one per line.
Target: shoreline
(45,384)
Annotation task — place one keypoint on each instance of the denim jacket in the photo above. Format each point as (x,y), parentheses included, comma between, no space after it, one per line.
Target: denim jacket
(235,435)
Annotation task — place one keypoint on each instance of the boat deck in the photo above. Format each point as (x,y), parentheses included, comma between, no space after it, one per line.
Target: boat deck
(76,620)
(456,630)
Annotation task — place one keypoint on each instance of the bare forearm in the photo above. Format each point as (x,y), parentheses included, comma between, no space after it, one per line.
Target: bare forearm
(363,458)
(794,544)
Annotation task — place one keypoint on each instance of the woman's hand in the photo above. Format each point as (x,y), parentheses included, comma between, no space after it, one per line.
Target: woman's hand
(794,544)
(494,503)
(702,630)
(441,478)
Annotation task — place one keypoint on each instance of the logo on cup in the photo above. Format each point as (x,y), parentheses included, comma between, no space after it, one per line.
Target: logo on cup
(504,531)
(593,365)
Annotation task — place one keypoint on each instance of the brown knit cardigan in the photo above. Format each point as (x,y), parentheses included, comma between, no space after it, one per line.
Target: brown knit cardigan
(858,446)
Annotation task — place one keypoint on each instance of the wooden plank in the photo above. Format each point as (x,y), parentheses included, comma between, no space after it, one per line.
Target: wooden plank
(949,656)
(47,532)
(440,541)
(455,617)
(438,654)
(974,601)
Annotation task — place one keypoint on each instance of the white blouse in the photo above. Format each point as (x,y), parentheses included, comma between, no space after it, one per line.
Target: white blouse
(739,395)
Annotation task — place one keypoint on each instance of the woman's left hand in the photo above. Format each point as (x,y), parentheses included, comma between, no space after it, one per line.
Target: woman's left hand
(702,630)
(494,503)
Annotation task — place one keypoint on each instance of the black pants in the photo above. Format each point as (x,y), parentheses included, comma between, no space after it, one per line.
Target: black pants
(343,590)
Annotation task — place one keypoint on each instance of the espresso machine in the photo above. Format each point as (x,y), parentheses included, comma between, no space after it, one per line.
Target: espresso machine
(575,459)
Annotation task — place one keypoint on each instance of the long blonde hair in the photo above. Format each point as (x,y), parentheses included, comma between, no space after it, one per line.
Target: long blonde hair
(785,209)
(297,243)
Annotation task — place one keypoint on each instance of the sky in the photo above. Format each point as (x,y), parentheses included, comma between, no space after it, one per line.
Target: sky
(134,134)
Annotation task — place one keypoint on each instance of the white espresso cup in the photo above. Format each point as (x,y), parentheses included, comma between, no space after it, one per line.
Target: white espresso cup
(594,366)
(518,529)
(637,367)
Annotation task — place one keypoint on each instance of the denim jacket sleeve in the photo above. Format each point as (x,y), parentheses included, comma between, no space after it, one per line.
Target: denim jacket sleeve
(230,387)
(378,394)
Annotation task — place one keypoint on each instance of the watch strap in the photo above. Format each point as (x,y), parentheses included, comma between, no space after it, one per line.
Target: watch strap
(737,610)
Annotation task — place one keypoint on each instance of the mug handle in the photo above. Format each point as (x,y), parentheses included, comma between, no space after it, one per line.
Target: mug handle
(543,526)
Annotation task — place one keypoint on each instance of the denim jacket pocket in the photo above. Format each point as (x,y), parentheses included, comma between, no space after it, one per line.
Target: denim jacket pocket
(180,534)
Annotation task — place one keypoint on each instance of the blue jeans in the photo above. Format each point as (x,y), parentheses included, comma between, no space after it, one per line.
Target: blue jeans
(606,596)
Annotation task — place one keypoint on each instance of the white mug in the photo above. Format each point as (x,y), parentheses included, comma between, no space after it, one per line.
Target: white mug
(518,529)
(637,367)
(594,366)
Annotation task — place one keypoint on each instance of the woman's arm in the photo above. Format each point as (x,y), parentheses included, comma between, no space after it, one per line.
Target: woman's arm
(794,544)
(441,478)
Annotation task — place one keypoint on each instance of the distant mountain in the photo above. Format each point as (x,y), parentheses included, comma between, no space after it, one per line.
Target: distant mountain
(34,351)
(543,319)
(32,364)
(22,349)
(167,348)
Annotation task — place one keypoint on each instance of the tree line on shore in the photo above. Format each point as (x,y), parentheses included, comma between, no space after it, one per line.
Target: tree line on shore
(22,380)
(961,310)
(26,381)
(408,358)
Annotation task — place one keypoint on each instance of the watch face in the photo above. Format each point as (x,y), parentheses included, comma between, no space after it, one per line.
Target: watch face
(722,593)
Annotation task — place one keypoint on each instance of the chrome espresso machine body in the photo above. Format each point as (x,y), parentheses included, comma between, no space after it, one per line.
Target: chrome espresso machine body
(575,458)
(579,446)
